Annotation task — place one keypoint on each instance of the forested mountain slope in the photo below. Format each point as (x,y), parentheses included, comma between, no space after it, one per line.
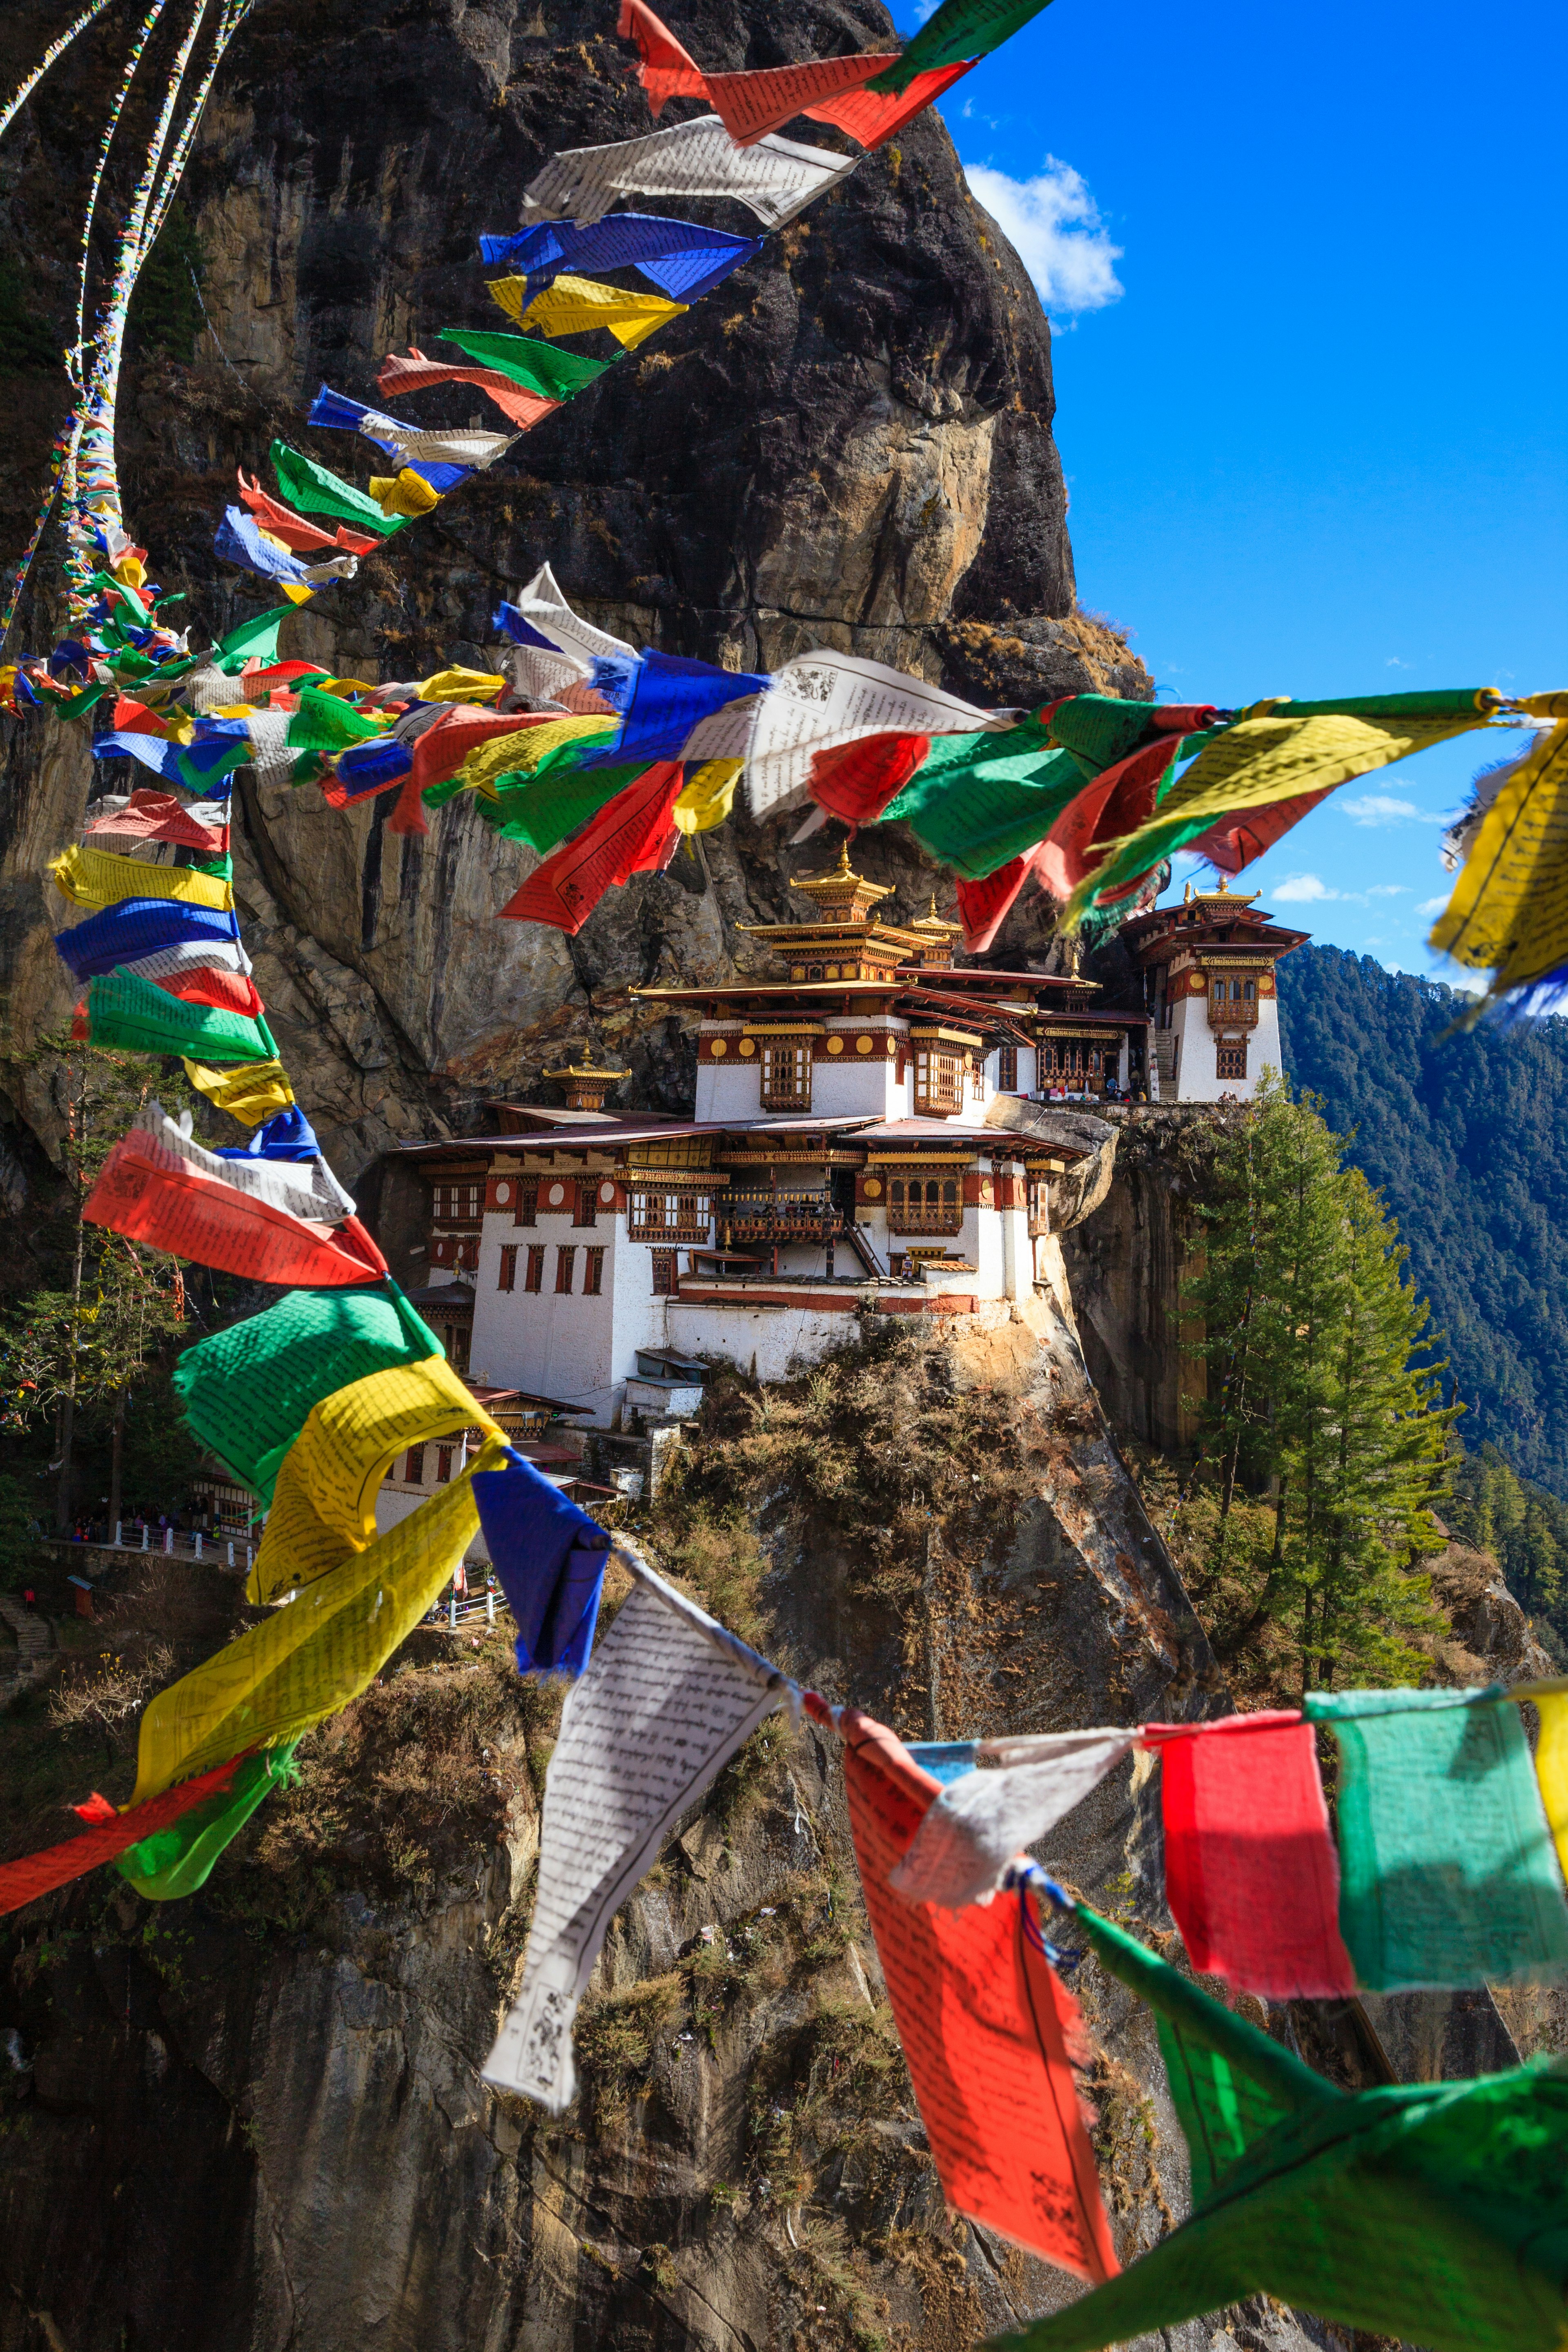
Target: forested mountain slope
(1468,1137)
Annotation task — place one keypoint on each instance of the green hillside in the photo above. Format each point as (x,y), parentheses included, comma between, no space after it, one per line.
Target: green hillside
(1469,1139)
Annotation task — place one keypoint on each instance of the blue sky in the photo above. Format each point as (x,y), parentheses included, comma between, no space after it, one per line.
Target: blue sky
(1306,270)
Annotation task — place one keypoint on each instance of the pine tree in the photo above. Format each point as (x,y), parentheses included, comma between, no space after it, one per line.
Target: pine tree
(1316,1398)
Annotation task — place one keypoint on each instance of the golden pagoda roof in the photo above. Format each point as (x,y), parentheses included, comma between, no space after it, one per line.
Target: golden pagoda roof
(932,924)
(599,1072)
(842,895)
(1191,898)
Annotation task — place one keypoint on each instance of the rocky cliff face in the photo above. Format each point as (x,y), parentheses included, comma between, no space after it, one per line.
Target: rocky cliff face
(255,2119)
(847,442)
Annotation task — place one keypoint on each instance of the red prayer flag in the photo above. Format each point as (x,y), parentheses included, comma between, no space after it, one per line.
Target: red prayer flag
(440,751)
(1116,802)
(750,105)
(158,817)
(869,116)
(230,991)
(301,538)
(988,2029)
(629,836)
(665,71)
(1251,1875)
(153,1195)
(855,782)
(984,906)
(1235,841)
(521,407)
(135,718)
(39,1874)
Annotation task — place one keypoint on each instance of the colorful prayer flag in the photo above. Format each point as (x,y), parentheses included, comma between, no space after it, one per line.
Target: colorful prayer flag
(1251,1870)
(305,1662)
(989,2031)
(1446,1867)
(549,1555)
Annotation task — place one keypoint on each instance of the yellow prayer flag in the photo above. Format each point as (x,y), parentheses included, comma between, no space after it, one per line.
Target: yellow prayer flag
(1509,913)
(521,754)
(94,877)
(1551,1768)
(323,1505)
(708,796)
(253,1092)
(573,304)
(1260,761)
(406,493)
(309,1658)
(459,684)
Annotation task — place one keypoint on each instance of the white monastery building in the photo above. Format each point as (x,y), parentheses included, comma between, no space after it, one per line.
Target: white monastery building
(861,1141)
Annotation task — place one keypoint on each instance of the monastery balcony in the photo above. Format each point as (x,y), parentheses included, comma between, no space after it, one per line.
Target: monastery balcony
(1229,1012)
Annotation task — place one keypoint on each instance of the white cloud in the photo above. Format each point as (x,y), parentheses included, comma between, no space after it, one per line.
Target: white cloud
(1054,223)
(1433,906)
(1388,890)
(1382,808)
(1300,889)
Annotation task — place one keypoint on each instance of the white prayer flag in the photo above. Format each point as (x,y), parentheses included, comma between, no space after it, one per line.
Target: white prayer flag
(542,603)
(270,755)
(775,178)
(189,955)
(723,734)
(667,1697)
(300,1188)
(823,699)
(979,1823)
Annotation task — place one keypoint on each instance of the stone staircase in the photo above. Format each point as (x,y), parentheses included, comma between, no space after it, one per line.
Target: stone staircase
(33,1653)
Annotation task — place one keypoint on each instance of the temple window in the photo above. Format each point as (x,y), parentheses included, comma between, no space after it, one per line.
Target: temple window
(535,1276)
(526,1211)
(668,1216)
(1007,1069)
(458,1203)
(565,1257)
(585,1201)
(939,1082)
(414,1467)
(663,1275)
(1230,1060)
(787,1074)
(506,1278)
(931,1206)
(442,1464)
(592,1273)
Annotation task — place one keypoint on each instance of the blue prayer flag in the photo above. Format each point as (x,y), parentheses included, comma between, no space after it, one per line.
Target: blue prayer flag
(134,928)
(669,696)
(550,1557)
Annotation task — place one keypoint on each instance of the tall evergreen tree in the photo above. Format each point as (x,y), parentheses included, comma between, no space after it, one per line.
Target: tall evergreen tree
(1317,1396)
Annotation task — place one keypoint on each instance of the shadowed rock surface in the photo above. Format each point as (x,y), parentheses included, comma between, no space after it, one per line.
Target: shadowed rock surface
(847,442)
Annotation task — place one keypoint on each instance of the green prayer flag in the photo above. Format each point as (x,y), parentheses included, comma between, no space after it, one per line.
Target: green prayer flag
(975,800)
(248,1391)
(316,490)
(1446,702)
(1447,1871)
(254,640)
(960,28)
(200,777)
(542,810)
(1099,728)
(177,1860)
(127,1012)
(1435,2212)
(77,705)
(107,585)
(553,373)
(325,723)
